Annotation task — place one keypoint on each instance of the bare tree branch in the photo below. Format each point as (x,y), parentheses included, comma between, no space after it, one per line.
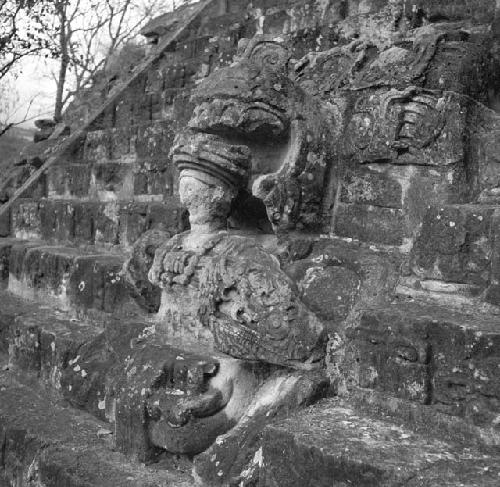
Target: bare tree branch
(95,32)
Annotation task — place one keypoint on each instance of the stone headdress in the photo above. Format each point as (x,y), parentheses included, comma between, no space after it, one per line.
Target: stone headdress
(206,154)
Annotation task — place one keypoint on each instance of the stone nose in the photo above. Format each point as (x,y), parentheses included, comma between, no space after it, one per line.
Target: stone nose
(229,82)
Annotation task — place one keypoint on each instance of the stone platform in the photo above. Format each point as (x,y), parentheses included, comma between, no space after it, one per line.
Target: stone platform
(360,141)
(47,442)
(332,444)
(369,439)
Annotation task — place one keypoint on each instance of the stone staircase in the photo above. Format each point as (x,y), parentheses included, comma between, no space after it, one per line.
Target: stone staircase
(415,397)
(419,397)
(420,408)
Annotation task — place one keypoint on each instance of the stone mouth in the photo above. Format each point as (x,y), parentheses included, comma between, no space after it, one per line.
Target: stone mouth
(208,404)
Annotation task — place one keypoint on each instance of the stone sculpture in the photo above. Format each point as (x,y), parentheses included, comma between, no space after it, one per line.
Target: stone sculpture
(232,337)
(291,136)
(224,292)
(226,286)
(236,341)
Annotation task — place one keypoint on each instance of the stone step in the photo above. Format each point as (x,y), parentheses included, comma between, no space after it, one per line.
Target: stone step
(41,341)
(425,419)
(45,442)
(110,181)
(384,207)
(331,444)
(151,140)
(428,354)
(115,368)
(123,163)
(6,245)
(68,278)
(70,357)
(94,223)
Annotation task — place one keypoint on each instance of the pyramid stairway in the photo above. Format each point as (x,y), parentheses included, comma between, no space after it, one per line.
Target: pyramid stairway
(415,399)
(411,417)
(417,393)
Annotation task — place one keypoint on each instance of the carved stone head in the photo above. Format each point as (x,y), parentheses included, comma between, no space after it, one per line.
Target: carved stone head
(254,112)
(211,173)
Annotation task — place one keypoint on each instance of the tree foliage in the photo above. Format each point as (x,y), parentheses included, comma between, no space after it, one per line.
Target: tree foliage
(83,35)
(89,33)
(26,28)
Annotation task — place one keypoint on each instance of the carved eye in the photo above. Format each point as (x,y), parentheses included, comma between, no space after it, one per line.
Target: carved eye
(270,55)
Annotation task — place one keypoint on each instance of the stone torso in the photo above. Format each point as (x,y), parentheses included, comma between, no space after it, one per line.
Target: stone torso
(232,295)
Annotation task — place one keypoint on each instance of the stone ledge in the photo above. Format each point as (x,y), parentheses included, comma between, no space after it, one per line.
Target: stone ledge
(429,354)
(40,339)
(425,419)
(107,225)
(78,280)
(45,443)
(331,444)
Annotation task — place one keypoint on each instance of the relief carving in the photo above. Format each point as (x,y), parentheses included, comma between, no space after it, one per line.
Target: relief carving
(232,336)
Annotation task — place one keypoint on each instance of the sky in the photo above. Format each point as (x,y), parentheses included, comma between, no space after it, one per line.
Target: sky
(36,85)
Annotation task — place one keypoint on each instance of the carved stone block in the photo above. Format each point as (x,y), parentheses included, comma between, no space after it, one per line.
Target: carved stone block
(456,245)
(428,354)
(27,219)
(57,220)
(371,224)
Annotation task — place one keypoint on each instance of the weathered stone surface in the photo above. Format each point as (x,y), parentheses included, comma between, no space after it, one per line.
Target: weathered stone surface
(346,117)
(372,188)
(430,131)
(448,10)
(331,444)
(135,270)
(382,357)
(427,354)
(95,282)
(138,218)
(40,339)
(458,244)
(5,248)
(262,317)
(257,100)
(334,275)
(54,445)
(68,277)
(113,181)
(68,181)
(105,224)
(484,153)
(179,400)
(424,419)
(57,220)
(5,224)
(235,457)
(370,224)
(89,379)
(26,220)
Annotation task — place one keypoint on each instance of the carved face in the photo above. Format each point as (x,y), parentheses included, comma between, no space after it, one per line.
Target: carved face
(206,201)
(251,98)
(197,399)
(255,107)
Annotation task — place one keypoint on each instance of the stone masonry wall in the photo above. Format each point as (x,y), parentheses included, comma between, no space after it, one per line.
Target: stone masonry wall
(123,175)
